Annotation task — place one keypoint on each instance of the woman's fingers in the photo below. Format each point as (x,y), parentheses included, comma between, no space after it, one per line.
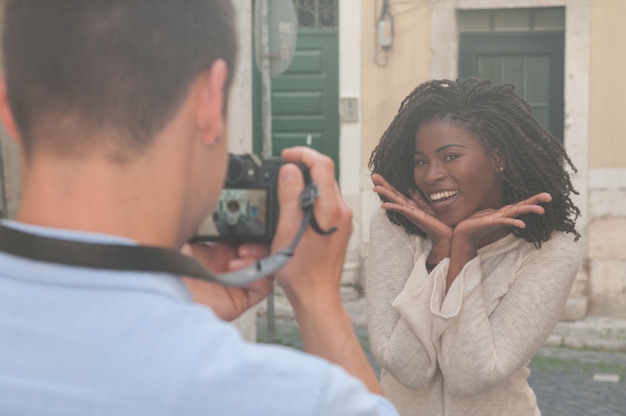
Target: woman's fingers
(392,195)
(515,211)
(508,215)
(538,198)
(383,188)
(528,206)
(414,207)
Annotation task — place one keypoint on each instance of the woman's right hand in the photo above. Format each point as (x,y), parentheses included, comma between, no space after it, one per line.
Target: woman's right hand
(419,211)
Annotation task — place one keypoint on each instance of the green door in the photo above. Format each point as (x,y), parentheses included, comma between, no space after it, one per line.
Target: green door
(533,62)
(305,98)
(522,46)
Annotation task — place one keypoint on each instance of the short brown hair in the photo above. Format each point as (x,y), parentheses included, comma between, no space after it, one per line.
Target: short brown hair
(111,65)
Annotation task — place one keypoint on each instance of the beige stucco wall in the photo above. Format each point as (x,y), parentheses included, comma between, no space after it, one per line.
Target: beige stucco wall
(607,131)
(407,65)
(607,146)
(387,77)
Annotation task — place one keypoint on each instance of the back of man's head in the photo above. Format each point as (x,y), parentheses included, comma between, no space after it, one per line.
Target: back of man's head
(119,67)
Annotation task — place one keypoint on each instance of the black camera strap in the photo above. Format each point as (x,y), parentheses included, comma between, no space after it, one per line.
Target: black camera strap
(147,258)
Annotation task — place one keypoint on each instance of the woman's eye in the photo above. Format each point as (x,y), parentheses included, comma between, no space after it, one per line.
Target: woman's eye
(451,156)
(420,162)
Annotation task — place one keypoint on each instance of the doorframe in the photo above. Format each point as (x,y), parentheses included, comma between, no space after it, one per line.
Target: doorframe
(444,46)
(350,145)
(350,87)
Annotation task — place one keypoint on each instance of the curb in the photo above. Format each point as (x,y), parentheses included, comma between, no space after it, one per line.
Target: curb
(590,333)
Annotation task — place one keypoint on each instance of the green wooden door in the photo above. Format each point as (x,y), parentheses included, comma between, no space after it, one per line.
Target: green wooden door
(533,62)
(305,98)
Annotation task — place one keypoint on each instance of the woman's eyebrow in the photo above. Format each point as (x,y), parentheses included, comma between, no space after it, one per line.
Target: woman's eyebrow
(445,146)
(442,148)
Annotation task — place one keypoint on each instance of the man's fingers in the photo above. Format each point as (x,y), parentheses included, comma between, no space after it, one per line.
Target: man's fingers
(256,251)
(321,167)
(330,210)
(186,250)
(290,185)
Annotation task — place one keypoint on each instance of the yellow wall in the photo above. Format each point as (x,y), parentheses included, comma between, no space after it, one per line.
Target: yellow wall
(383,88)
(607,107)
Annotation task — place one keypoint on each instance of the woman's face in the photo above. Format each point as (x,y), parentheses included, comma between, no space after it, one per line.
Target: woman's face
(455,171)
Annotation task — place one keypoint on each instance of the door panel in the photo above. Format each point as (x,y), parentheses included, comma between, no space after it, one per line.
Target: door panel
(305,98)
(532,61)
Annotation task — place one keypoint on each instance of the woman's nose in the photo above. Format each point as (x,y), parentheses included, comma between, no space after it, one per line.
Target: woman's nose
(435,173)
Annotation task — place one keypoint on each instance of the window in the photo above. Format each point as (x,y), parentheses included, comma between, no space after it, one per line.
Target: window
(317,14)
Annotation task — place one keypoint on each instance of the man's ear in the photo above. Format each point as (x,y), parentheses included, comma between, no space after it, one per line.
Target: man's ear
(5,111)
(209,111)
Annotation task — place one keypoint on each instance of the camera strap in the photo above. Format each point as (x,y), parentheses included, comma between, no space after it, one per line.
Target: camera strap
(150,259)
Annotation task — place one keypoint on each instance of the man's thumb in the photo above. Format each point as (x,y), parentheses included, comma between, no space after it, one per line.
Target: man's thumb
(290,185)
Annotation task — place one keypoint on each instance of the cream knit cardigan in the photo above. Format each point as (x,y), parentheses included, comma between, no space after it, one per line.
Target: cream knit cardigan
(465,353)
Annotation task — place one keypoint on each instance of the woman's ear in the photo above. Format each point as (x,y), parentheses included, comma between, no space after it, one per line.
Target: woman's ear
(499,160)
(6,114)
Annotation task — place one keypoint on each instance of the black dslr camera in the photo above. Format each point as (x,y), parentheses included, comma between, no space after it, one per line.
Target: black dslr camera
(247,210)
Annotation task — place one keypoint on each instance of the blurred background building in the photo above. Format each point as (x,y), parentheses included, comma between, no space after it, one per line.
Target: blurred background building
(357,59)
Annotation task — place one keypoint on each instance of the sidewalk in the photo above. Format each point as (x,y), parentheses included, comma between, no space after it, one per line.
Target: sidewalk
(594,333)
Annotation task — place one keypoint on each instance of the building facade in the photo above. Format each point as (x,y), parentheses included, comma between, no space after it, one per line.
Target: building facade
(376,67)
(428,43)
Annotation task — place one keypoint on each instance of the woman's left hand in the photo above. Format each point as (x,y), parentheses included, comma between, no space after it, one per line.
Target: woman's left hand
(482,223)
(469,233)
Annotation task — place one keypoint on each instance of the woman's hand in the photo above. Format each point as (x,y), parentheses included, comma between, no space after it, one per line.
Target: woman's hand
(482,223)
(419,211)
(486,226)
(227,302)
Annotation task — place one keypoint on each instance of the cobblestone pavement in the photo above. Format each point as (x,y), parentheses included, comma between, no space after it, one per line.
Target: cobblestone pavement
(567,381)
(576,382)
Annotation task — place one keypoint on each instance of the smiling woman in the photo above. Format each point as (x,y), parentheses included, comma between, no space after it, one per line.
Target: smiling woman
(470,264)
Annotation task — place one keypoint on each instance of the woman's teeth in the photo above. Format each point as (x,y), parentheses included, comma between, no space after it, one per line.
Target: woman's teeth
(441,195)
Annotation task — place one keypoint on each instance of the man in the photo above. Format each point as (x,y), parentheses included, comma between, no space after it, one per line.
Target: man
(118,107)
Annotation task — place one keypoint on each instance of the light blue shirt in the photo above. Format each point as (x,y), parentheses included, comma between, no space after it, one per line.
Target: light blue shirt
(76,341)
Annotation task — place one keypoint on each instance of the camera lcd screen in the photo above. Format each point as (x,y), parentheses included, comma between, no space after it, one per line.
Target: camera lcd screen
(240,214)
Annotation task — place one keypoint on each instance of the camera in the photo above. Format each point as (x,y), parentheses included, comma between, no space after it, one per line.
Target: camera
(247,209)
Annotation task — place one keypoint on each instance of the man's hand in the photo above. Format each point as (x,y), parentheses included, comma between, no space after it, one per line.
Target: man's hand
(314,272)
(227,302)
(312,278)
